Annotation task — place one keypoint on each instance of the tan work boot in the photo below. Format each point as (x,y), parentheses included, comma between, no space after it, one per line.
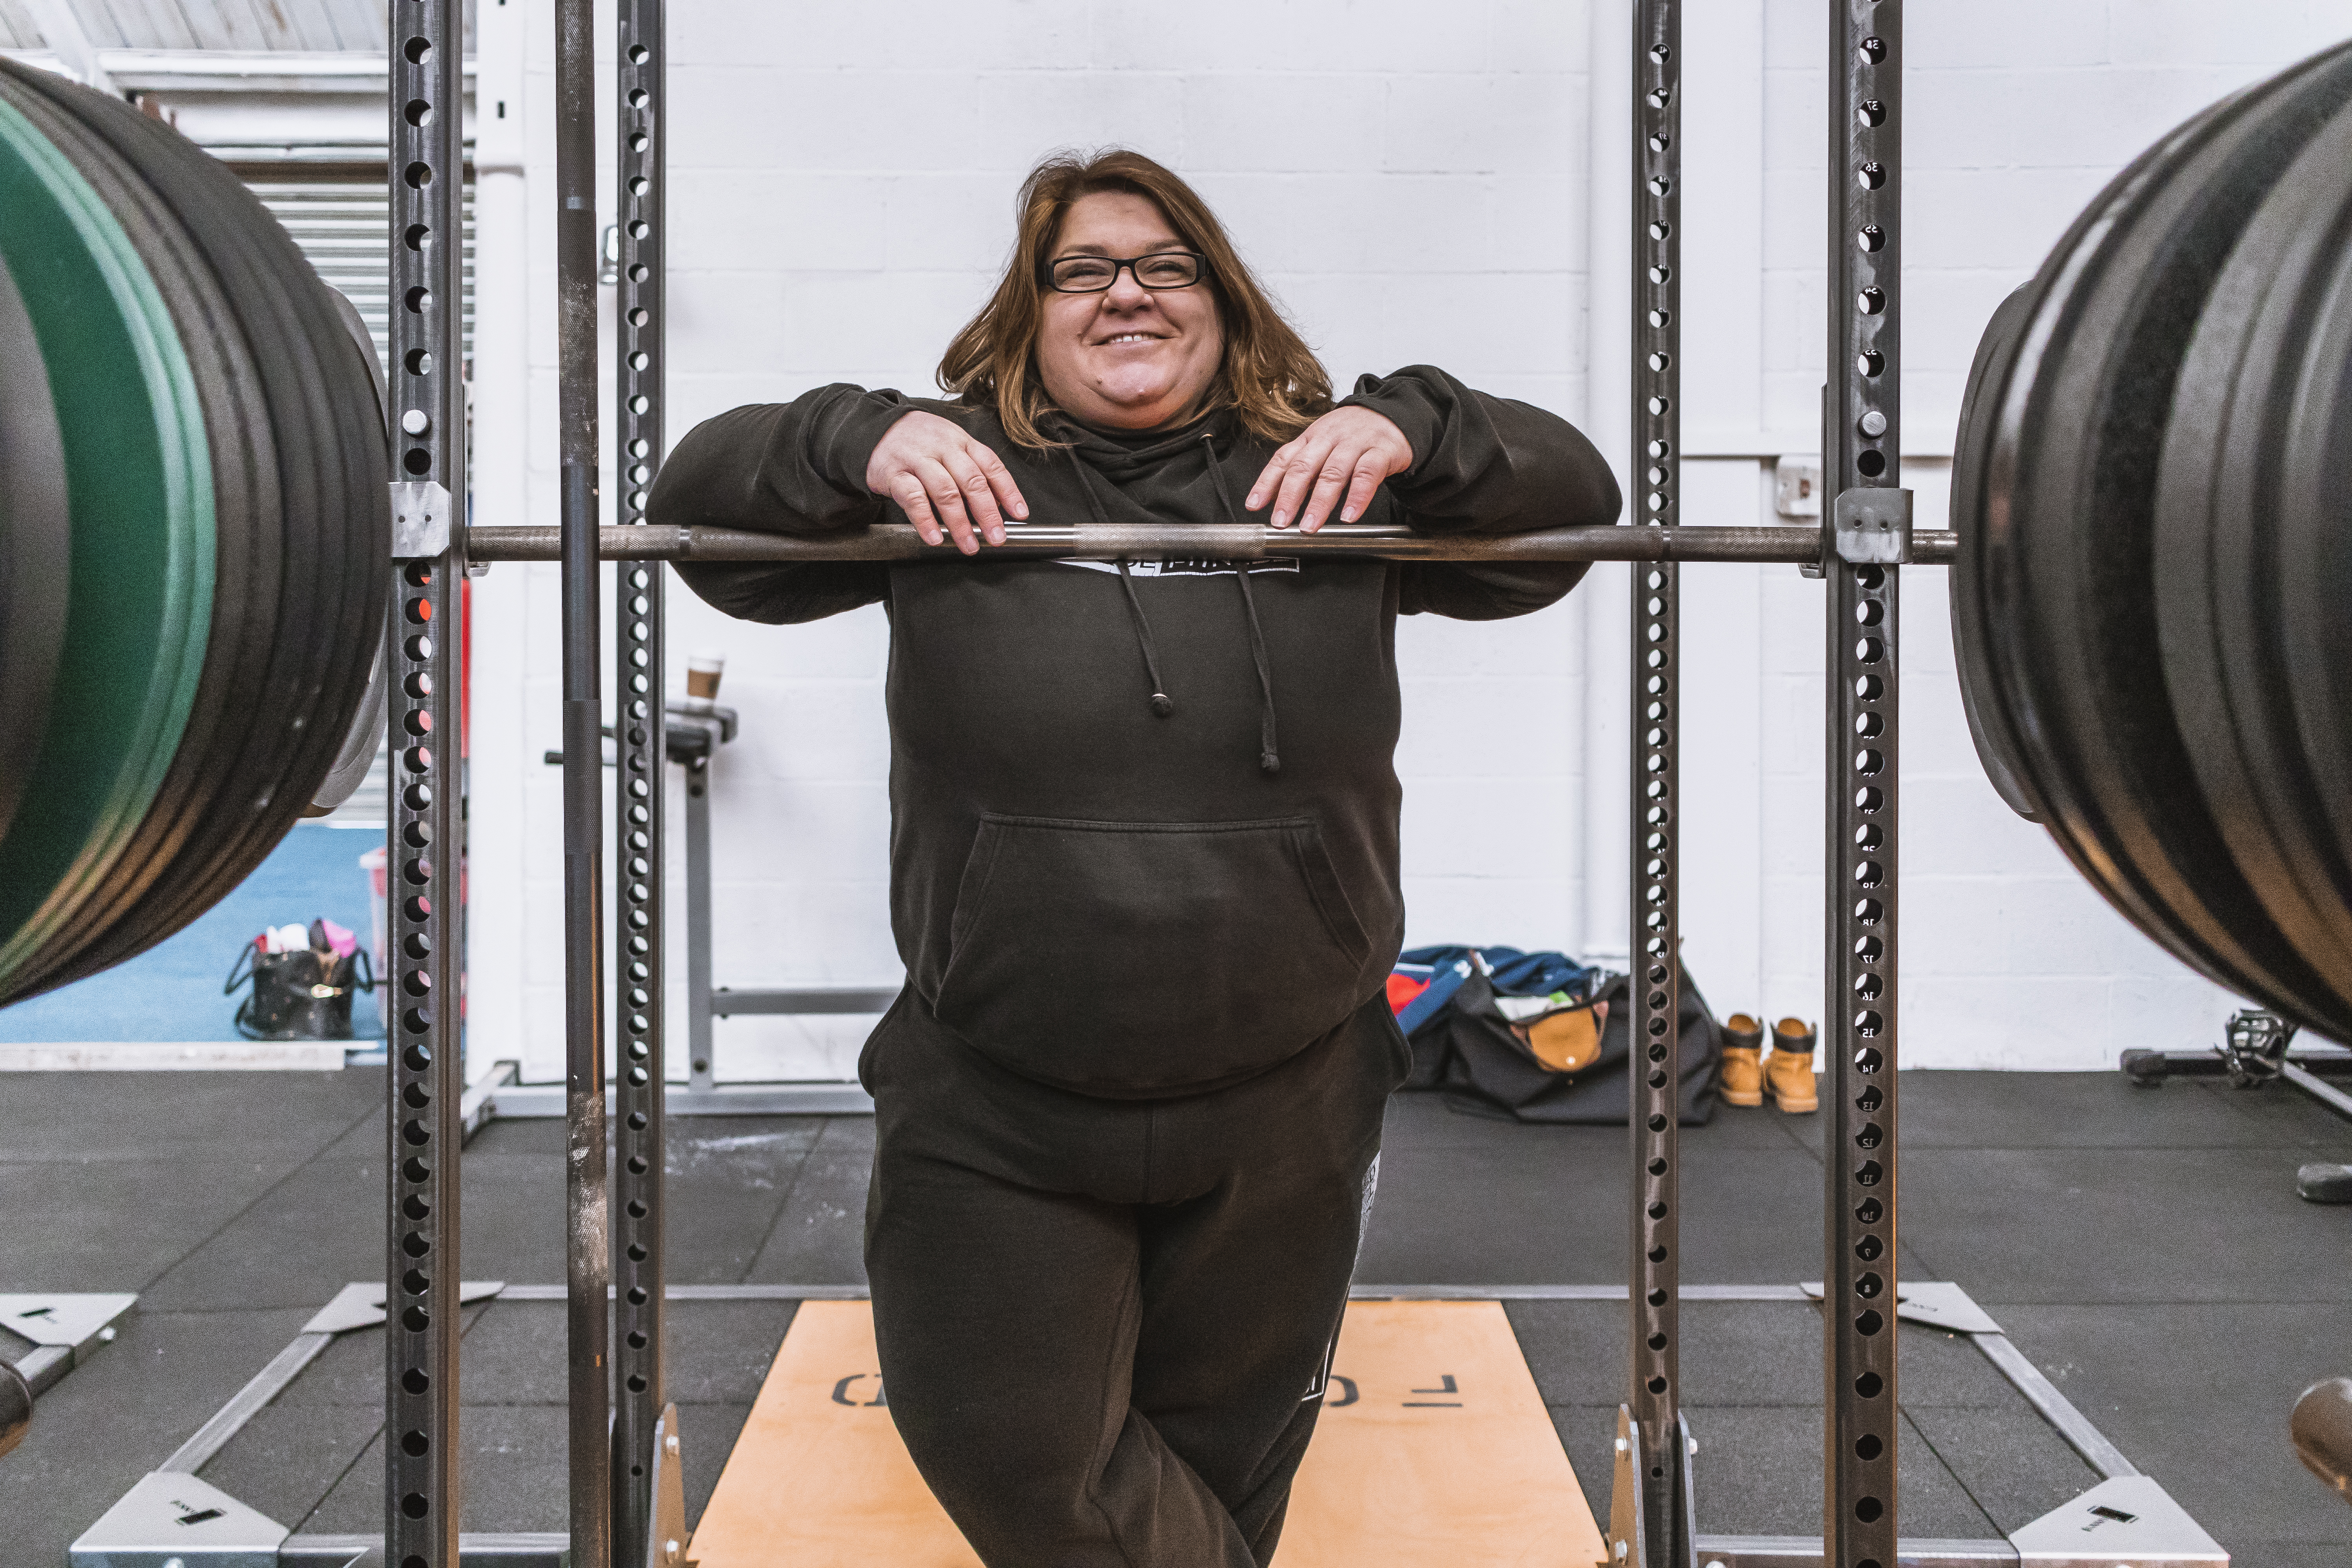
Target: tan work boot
(1788,1072)
(1743,1060)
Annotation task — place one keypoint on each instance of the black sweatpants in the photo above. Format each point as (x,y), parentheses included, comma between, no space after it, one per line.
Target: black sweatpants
(1105,1324)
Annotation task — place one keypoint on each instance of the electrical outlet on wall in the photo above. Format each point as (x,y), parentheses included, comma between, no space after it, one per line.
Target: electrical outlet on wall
(1797,487)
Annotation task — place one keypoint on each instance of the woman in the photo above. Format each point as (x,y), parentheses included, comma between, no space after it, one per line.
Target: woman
(1143,856)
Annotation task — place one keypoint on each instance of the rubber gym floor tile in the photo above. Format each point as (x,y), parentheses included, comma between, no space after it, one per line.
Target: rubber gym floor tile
(297,1243)
(2197,1397)
(2289,1553)
(1750,1217)
(512,1207)
(120,1415)
(846,1131)
(729,1179)
(1520,1211)
(119,1225)
(2013,1463)
(719,1351)
(1764,1126)
(1588,1433)
(512,1458)
(707,1434)
(2115,1225)
(1937,1371)
(1421,1119)
(1760,1473)
(1737,1353)
(819,1233)
(2283,1114)
(270,1117)
(2077,1111)
(514,1354)
(350,1371)
(287,1458)
(1576,1350)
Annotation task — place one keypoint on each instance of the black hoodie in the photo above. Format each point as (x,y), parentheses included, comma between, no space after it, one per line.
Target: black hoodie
(1144,821)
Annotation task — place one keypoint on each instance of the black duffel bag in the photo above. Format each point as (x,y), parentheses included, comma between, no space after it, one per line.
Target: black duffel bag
(1470,1053)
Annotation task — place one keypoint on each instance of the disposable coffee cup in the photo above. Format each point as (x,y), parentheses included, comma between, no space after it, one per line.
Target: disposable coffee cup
(702,673)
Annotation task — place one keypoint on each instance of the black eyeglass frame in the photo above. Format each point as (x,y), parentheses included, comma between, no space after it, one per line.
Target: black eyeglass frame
(1201,271)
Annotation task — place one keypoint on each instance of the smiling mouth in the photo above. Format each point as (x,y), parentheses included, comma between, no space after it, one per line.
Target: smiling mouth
(1130,338)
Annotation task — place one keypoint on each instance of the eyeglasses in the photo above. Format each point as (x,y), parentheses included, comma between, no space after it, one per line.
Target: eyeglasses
(1093,274)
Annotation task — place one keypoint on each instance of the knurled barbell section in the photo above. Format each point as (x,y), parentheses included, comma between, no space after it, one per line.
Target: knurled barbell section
(638,1209)
(1861,451)
(1654,982)
(425,823)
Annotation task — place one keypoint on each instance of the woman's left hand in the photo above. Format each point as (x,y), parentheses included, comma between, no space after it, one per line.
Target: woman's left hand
(1348,450)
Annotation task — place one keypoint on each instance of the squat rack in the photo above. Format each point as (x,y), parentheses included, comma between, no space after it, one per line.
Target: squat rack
(616,1219)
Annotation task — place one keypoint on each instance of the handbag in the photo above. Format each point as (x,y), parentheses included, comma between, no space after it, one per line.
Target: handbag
(304,995)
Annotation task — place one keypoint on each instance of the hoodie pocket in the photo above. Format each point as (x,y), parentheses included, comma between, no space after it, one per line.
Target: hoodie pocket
(1137,958)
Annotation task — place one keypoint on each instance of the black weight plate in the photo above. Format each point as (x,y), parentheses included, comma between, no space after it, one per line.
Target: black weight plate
(2226,579)
(336,531)
(335,524)
(2314,528)
(1989,727)
(365,736)
(2064,555)
(35,548)
(139,877)
(2122,761)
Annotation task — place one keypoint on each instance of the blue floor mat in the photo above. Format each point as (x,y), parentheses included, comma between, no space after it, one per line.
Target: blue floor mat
(173,991)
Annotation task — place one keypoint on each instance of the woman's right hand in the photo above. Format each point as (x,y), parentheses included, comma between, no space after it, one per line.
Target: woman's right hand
(938,475)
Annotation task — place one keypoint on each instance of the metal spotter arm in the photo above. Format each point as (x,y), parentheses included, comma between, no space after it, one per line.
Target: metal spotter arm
(1866,537)
(587,1239)
(1655,1461)
(640,744)
(423,922)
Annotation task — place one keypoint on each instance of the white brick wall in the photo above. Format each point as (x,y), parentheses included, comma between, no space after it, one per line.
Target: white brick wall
(1415,185)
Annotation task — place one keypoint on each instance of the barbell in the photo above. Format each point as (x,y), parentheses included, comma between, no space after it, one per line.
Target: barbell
(2148,539)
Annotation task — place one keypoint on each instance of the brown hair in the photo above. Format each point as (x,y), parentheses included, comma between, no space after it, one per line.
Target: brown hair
(1268,375)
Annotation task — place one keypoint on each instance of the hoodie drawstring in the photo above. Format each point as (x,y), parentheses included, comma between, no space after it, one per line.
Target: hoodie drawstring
(1161,703)
(1269,756)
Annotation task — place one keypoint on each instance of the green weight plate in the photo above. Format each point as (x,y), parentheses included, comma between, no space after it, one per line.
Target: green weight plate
(140,497)
(35,548)
(144,866)
(2060,583)
(319,584)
